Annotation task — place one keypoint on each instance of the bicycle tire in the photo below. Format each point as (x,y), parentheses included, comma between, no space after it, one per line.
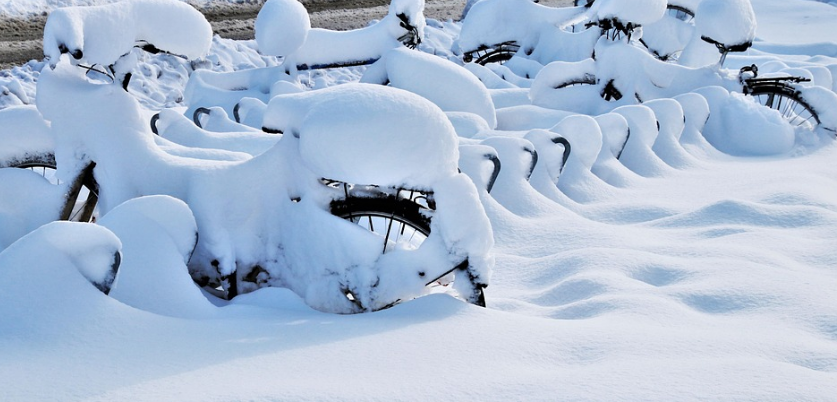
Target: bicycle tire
(380,213)
(787,100)
(83,194)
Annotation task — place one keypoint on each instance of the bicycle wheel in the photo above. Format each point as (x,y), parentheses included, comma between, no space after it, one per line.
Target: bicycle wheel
(82,195)
(499,53)
(787,101)
(402,222)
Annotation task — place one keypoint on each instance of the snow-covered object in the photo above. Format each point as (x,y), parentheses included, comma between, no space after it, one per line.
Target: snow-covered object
(577,179)
(638,12)
(561,74)
(729,22)
(467,125)
(27,201)
(215,119)
(672,121)
(638,155)
(267,211)
(691,5)
(175,127)
(102,34)
(466,227)
(448,85)
(23,131)
(475,160)
(281,27)
(528,117)
(368,134)
(667,37)
(550,155)
(696,114)
(824,103)
(207,88)
(325,47)
(488,78)
(158,234)
(490,22)
(615,134)
(518,159)
(572,87)
(739,126)
(250,112)
(72,251)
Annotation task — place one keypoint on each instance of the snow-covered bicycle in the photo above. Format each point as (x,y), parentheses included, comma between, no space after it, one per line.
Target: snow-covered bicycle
(355,207)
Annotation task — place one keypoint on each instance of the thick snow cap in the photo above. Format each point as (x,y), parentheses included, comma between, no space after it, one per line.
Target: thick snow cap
(281,27)
(368,134)
(730,22)
(103,34)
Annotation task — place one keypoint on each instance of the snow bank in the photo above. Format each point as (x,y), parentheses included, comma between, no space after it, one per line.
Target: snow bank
(102,34)
(281,27)
(368,134)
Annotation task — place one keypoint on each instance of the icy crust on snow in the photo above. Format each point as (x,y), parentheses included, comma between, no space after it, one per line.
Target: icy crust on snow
(730,22)
(327,47)
(638,12)
(444,83)
(368,134)
(281,27)
(100,35)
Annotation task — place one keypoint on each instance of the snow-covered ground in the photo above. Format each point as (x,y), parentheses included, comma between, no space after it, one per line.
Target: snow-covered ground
(710,281)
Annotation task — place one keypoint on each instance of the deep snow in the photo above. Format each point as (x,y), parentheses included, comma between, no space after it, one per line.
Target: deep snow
(681,273)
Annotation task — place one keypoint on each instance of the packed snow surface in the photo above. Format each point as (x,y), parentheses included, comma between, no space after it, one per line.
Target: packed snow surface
(699,265)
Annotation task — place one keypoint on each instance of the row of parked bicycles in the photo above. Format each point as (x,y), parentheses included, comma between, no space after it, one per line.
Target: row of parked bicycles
(381,214)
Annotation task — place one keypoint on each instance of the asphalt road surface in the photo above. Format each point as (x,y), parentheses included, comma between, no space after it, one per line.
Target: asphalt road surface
(20,38)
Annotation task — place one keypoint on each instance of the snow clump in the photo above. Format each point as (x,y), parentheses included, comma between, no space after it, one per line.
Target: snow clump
(281,27)
(730,22)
